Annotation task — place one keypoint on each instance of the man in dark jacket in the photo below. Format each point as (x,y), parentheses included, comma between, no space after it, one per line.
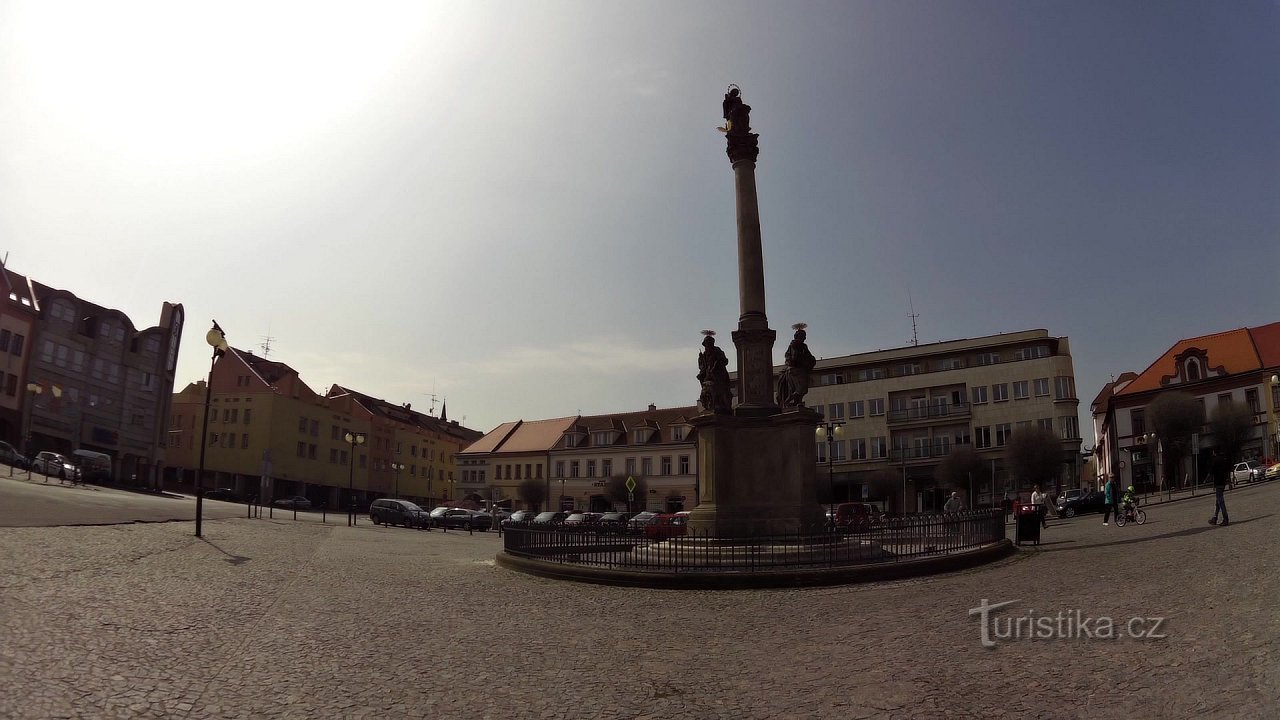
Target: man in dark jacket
(1220,475)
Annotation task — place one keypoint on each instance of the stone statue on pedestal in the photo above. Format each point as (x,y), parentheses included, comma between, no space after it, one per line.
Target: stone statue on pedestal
(793,382)
(713,373)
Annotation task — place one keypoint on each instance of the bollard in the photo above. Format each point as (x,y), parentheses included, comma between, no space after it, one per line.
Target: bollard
(324,514)
(295,511)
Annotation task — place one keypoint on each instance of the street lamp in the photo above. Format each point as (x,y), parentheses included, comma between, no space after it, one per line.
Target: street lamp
(218,341)
(397,467)
(830,431)
(33,389)
(356,440)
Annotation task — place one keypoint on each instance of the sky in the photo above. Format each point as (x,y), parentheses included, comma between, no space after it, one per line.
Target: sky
(525,209)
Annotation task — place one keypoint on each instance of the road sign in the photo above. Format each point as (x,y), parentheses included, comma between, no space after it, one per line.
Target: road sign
(631,484)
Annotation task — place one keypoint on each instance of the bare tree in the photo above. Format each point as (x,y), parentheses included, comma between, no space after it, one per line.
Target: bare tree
(962,466)
(1175,417)
(1035,456)
(1232,426)
(532,493)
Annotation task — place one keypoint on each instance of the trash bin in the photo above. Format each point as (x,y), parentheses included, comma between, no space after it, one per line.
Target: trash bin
(1027,524)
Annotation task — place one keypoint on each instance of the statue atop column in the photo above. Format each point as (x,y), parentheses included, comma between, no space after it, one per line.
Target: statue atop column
(793,382)
(743,144)
(713,373)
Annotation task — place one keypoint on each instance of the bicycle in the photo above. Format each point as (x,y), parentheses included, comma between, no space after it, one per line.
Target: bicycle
(1130,514)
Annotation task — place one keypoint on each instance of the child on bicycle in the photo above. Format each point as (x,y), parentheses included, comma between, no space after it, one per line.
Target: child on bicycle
(1130,501)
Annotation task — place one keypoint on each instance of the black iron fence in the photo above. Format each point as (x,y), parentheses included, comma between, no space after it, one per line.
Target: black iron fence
(655,548)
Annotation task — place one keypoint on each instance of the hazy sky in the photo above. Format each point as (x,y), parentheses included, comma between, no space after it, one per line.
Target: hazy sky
(524,207)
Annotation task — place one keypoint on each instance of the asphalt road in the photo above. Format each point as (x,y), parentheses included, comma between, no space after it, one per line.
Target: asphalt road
(29,501)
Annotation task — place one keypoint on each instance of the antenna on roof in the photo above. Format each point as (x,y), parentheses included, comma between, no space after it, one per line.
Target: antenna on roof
(266,341)
(915,340)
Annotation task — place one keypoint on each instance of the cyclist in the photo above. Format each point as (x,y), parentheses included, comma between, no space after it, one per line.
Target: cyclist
(1130,500)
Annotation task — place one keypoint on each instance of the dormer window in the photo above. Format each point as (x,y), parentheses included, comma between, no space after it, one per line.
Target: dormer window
(1192,369)
(570,440)
(640,436)
(677,432)
(602,438)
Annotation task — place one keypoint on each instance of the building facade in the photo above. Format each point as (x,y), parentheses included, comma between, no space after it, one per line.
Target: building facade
(903,410)
(1236,366)
(583,461)
(270,435)
(19,315)
(108,383)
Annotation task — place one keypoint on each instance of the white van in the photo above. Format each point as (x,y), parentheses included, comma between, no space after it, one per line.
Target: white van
(94,466)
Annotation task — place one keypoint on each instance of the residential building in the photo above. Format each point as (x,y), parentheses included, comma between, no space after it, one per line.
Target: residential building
(109,383)
(579,458)
(903,410)
(1236,366)
(19,315)
(270,435)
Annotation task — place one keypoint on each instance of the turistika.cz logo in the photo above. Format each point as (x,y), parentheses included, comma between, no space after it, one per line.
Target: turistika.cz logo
(1064,625)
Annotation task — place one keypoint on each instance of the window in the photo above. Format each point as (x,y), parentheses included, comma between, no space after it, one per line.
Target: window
(953,364)
(1138,421)
(247,413)
(539,471)
(631,466)
(528,470)
(640,436)
(573,468)
(77,360)
(1046,423)
(877,406)
(1003,431)
(1070,425)
(1251,399)
(568,440)
(302,449)
(46,352)
(1020,390)
(17,345)
(606,467)
(4,339)
(1000,392)
(962,436)
(235,414)
(1041,387)
(836,412)
(559,468)
(315,428)
(1224,399)
(244,441)
(677,433)
(821,452)
(879,448)
(517,472)
(333,455)
(334,432)
(665,465)
(858,449)
(311,452)
(1192,369)
(837,451)
(857,409)
(982,437)
(833,379)
(988,358)
(871,374)
(591,468)
(302,424)
(646,466)
(601,439)
(684,464)
(1065,387)
(980,395)
(909,369)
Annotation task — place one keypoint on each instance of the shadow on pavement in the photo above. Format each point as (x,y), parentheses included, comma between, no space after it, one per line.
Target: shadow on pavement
(1148,538)
(233,559)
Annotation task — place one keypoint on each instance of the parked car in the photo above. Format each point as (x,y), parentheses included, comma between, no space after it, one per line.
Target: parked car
(581,521)
(613,522)
(94,466)
(463,519)
(297,502)
(386,511)
(226,494)
(519,517)
(550,518)
(666,525)
(1071,494)
(9,455)
(637,523)
(1247,471)
(56,465)
(855,517)
(1272,472)
(1094,501)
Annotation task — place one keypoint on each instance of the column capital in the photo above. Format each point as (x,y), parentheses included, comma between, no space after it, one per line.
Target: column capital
(743,147)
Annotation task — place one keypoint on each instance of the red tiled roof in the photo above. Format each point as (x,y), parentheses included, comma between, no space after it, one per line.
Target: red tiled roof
(1233,351)
(1266,338)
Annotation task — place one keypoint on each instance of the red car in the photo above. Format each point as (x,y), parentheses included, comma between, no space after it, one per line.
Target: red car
(855,517)
(666,525)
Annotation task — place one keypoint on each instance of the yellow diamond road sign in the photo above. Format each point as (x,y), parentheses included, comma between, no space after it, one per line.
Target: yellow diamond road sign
(631,484)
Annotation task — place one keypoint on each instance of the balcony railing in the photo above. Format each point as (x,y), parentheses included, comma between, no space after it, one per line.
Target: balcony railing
(923,452)
(929,412)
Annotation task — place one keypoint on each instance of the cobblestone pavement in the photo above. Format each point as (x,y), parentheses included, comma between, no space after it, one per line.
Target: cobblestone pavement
(300,620)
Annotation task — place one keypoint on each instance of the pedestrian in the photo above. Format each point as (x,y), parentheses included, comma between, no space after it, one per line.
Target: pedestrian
(1220,475)
(1110,491)
(1008,505)
(953,504)
(1042,508)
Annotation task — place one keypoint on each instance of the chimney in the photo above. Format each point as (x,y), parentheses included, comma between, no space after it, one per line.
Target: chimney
(652,407)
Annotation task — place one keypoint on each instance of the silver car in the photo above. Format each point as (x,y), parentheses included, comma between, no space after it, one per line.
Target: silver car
(52,464)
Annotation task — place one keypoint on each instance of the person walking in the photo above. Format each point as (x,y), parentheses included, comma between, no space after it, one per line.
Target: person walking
(953,504)
(1110,491)
(1220,475)
(1042,506)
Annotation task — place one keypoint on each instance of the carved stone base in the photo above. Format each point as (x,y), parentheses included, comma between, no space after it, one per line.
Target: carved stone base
(755,370)
(757,474)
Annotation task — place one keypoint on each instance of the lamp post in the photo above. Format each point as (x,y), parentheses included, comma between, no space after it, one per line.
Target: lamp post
(397,467)
(356,439)
(33,389)
(830,431)
(218,341)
